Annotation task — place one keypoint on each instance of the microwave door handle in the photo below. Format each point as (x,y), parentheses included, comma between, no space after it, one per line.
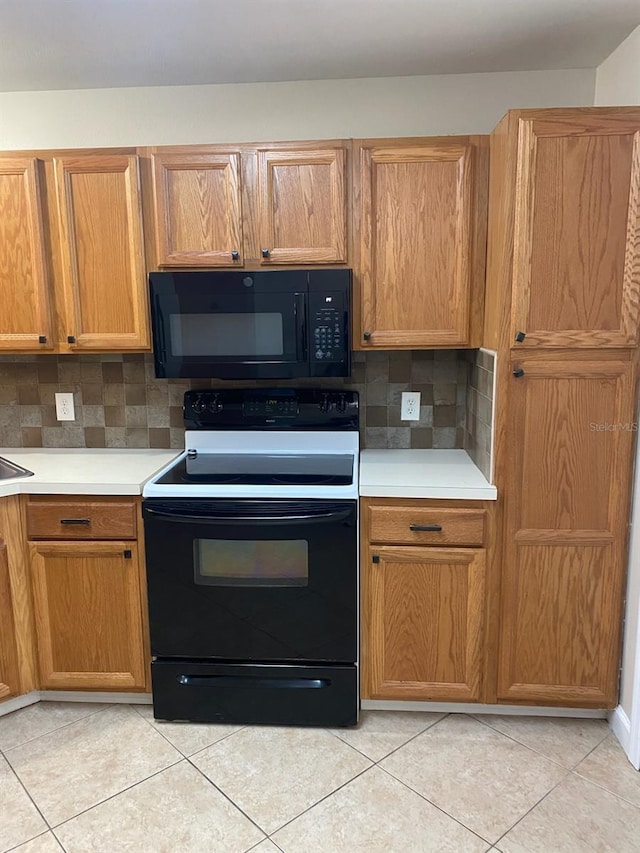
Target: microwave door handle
(160,328)
(300,322)
(311,518)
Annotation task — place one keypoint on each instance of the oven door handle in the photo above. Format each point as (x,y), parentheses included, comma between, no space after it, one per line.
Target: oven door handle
(253,682)
(307,518)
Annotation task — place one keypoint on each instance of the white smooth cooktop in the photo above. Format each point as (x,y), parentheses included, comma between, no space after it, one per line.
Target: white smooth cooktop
(257,464)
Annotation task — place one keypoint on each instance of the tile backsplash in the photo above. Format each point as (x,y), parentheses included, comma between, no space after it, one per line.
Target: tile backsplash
(480,402)
(120,403)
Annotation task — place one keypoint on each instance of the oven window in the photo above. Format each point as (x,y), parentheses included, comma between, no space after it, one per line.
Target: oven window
(259,334)
(259,562)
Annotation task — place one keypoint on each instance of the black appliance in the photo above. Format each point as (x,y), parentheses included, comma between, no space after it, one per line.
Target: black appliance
(264,324)
(252,561)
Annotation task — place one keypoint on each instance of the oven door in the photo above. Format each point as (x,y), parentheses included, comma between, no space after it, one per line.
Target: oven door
(252,580)
(229,325)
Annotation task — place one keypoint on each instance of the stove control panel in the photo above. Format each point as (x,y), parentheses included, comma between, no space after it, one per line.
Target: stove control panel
(275,408)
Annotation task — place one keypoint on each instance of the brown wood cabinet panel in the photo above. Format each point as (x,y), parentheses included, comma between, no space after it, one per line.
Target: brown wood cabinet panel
(576,261)
(25,304)
(417,229)
(56,519)
(198,211)
(423,618)
(570,433)
(401,525)
(9,678)
(302,205)
(88,612)
(104,276)
(13,532)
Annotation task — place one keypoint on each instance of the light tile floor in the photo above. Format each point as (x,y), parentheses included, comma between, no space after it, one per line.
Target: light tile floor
(89,778)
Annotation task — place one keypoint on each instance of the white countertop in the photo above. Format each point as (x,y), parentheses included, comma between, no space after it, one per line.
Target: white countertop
(83,471)
(423,474)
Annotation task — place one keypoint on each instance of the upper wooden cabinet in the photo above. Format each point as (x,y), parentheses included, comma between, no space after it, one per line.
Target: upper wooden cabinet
(302,206)
(25,303)
(420,220)
(567,188)
(105,303)
(198,209)
(280,204)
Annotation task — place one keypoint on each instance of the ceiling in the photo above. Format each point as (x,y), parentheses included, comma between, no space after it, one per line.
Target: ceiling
(78,44)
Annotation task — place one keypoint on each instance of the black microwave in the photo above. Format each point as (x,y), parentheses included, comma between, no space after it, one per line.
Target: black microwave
(263,324)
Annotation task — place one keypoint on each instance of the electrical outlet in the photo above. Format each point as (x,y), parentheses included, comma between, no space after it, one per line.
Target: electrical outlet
(410,408)
(65,410)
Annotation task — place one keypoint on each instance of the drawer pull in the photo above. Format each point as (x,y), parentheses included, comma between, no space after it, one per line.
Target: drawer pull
(432,528)
(75,521)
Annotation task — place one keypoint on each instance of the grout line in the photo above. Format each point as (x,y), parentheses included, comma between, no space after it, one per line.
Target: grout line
(26,790)
(198,751)
(436,806)
(536,751)
(322,799)
(412,738)
(59,728)
(58,840)
(534,806)
(117,794)
(228,798)
(29,840)
(604,788)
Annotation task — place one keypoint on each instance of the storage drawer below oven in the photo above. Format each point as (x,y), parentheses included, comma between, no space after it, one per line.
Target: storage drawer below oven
(250,693)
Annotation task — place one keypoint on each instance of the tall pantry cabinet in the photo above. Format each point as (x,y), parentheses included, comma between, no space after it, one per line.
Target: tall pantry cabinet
(563,303)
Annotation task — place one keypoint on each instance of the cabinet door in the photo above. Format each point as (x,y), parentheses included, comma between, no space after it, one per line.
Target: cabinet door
(25,309)
(302,206)
(198,211)
(88,615)
(570,437)
(423,623)
(415,244)
(576,264)
(104,278)
(9,684)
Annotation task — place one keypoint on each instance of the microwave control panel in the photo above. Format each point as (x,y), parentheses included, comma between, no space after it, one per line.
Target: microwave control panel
(326,314)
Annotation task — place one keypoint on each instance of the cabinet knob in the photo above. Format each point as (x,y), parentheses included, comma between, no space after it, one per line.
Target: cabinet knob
(265,253)
(518,372)
(71,339)
(42,339)
(520,336)
(235,256)
(367,336)
(375,558)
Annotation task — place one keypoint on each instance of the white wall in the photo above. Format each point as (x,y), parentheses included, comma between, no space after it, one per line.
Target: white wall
(392,106)
(618,83)
(618,78)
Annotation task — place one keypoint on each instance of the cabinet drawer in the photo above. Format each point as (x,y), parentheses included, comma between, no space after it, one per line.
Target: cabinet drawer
(406,525)
(81,520)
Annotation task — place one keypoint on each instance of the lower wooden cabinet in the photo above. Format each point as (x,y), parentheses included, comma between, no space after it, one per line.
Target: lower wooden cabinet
(88,614)
(9,682)
(423,601)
